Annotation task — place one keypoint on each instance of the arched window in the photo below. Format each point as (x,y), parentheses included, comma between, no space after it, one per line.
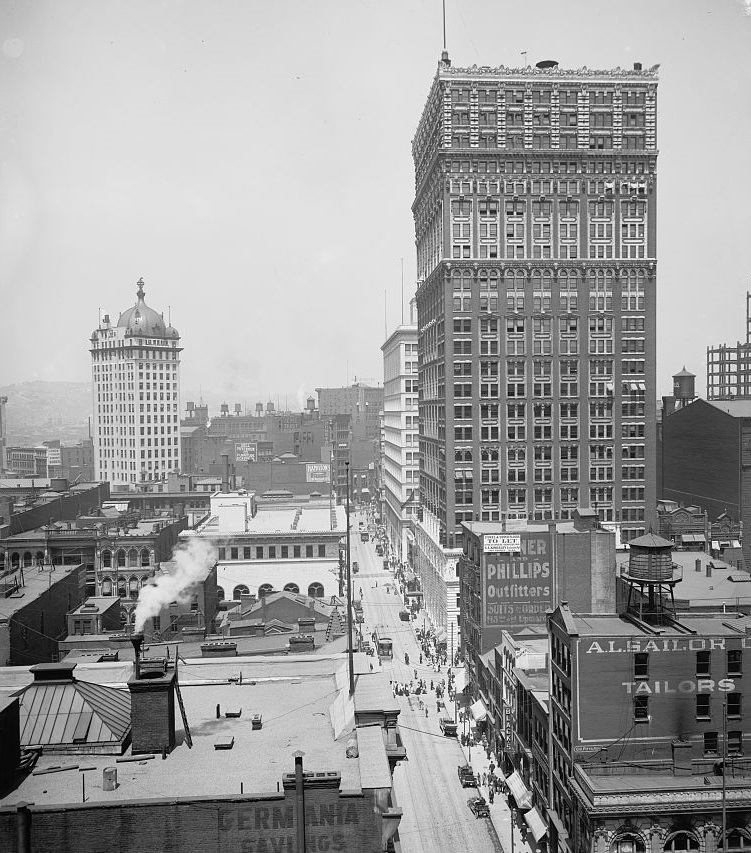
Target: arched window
(39,558)
(681,841)
(239,590)
(15,560)
(122,589)
(132,558)
(133,587)
(292,587)
(107,559)
(123,616)
(219,594)
(27,558)
(145,557)
(315,590)
(121,558)
(265,589)
(627,843)
(739,841)
(106,587)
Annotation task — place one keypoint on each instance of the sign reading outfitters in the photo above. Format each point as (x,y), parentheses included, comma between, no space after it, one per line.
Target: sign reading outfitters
(518,588)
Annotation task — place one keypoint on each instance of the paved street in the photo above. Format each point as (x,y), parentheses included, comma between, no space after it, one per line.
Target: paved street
(436,815)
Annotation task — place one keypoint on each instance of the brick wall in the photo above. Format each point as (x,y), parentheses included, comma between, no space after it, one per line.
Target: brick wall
(249,824)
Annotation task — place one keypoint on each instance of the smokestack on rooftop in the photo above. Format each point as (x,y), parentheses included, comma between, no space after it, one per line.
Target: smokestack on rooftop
(137,640)
(225,472)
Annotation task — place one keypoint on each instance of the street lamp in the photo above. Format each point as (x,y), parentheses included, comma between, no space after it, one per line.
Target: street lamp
(513,821)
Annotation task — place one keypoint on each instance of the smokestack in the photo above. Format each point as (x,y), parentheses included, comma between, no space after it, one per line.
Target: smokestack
(137,640)
(709,570)
(225,472)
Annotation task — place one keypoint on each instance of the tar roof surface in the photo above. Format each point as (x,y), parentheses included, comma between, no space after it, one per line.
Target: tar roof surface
(293,700)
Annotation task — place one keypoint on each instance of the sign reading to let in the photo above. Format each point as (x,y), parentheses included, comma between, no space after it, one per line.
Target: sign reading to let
(317,472)
(501,543)
(518,587)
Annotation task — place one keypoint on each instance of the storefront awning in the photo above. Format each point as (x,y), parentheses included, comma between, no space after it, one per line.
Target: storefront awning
(692,537)
(735,543)
(535,823)
(519,791)
(440,636)
(479,711)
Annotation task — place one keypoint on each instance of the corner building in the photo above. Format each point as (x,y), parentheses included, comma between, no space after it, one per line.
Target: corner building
(135,369)
(535,221)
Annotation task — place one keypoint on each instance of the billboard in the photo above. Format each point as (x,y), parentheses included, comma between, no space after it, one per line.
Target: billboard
(518,583)
(317,472)
(246,451)
(501,543)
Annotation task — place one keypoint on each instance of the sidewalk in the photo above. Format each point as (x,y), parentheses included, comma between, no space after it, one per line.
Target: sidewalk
(500,814)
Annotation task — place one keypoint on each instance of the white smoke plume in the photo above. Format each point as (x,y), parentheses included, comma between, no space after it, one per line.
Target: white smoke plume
(191,559)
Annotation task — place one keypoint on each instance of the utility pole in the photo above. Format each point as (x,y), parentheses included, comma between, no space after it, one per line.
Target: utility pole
(349,599)
(724,772)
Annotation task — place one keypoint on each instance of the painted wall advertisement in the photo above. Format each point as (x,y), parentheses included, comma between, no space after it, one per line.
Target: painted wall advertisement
(318,472)
(246,451)
(518,583)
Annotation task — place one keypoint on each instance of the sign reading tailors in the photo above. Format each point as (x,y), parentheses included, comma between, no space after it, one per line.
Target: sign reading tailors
(317,472)
(518,583)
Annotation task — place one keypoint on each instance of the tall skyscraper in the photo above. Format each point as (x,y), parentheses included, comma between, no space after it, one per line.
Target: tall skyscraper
(535,221)
(136,379)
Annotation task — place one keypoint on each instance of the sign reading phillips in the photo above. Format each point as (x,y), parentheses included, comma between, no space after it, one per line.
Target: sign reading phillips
(518,587)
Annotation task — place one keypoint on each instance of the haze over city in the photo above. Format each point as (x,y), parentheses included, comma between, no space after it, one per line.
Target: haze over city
(252,162)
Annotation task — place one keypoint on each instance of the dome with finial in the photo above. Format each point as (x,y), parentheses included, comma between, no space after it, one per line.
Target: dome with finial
(144,321)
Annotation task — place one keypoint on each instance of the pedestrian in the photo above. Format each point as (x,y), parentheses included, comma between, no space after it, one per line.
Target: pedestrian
(421,660)
(491,796)
(415,674)
(492,766)
(426,710)
(371,667)
(484,778)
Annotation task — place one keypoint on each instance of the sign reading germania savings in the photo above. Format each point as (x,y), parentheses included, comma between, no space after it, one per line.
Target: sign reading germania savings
(518,584)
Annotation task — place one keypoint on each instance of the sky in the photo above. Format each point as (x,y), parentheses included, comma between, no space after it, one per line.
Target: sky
(252,161)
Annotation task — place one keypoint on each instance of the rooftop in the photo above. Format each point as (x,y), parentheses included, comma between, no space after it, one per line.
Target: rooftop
(36,581)
(292,694)
(728,625)
(303,519)
(735,408)
(96,604)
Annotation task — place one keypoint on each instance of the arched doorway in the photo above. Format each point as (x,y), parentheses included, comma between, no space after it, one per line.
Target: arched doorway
(239,590)
(628,843)
(315,590)
(265,589)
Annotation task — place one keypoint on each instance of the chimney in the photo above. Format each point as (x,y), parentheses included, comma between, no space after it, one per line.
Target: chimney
(152,703)
(709,570)
(225,472)
(698,564)
(637,66)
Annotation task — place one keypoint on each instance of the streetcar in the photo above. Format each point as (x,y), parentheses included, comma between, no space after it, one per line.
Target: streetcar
(384,644)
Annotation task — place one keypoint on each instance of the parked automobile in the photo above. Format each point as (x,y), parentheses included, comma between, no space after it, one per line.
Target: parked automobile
(355,567)
(478,806)
(466,776)
(379,550)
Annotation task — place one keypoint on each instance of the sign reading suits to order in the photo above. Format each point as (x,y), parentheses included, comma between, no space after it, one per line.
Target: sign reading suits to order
(518,584)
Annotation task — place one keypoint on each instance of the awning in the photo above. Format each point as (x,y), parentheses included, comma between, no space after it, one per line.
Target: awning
(519,791)
(535,823)
(715,545)
(440,636)
(479,711)
(692,537)
(735,543)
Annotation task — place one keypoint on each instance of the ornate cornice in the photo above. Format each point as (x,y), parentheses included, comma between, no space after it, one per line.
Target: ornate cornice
(532,72)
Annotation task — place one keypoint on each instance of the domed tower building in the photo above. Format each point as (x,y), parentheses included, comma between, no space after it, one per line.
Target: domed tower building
(136,380)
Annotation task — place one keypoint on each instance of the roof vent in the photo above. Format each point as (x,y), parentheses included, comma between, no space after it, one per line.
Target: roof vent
(547,63)
(637,66)
(62,671)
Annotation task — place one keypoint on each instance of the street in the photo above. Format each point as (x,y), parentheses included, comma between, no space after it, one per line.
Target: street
(436,815)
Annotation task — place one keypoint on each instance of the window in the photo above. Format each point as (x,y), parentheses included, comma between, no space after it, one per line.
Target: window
(265,589)
(308,550)
(315,590)
(641,665)
(272,552)
(292,587)
(233,554)
(246,552)
(703,708)
(296,551)
(240,590)
(735,662)
(734,705)
(735,745)
(641,709)
(321,550)
(702,663)
(259,552)
(681,841)
(222,553)
(710,743)
(285,552)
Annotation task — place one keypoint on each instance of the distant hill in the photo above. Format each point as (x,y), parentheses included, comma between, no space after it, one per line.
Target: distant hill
(38,411)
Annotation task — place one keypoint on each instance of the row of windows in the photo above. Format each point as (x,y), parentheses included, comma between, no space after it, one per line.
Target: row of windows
(315,590)
(269,552)
(703,708)
(733,659)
